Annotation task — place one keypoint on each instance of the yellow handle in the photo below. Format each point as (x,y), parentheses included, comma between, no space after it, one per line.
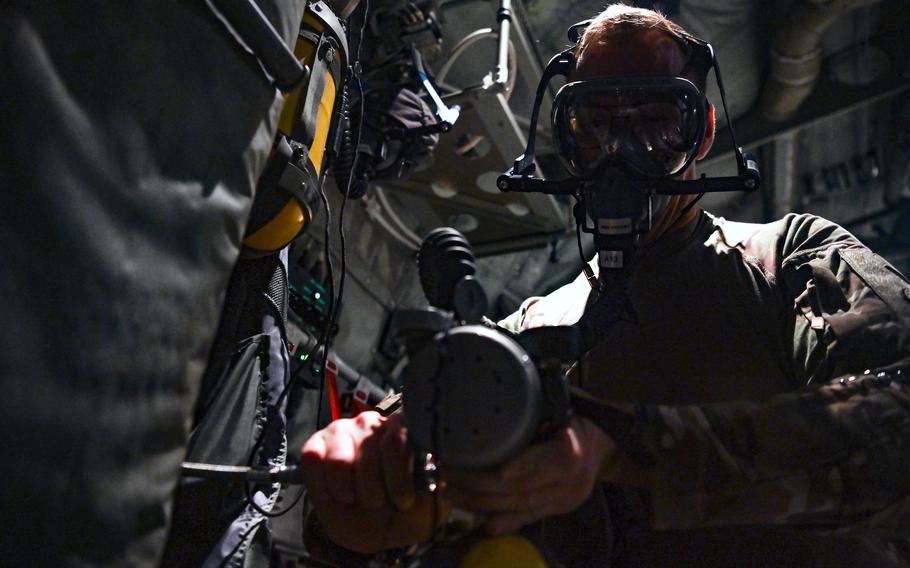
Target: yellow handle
(510,551)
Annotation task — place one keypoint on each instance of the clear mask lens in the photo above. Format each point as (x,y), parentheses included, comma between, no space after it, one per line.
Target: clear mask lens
(653,131)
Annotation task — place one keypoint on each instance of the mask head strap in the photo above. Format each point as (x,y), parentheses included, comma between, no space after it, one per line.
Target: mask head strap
(561,64)
(520,177)
(576,30)
(702,57)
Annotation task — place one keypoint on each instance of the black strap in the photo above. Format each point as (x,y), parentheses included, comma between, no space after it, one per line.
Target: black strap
(560,64)
(331,23)
(562,342)
(248,24)
(616,423)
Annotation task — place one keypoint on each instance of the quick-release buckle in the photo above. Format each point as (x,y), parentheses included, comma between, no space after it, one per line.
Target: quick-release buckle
(297,178)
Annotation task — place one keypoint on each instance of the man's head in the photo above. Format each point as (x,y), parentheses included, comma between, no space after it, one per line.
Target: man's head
(623,41)
(635,41)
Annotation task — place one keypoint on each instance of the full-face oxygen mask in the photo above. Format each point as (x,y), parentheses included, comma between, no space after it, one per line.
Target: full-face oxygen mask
(625,140)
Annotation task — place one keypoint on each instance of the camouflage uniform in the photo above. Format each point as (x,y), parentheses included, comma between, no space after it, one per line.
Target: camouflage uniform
(763,457)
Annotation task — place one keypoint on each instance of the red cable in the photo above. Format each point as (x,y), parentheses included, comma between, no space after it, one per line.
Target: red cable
(334,398)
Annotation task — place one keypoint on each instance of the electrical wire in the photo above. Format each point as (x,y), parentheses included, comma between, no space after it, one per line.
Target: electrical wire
(460,47)
(327,251)
(456,53)
(260,439)
(581,251)
(585,267)
(470,40)
(333,309)
(443,357)
(247,487)
(250,499)
(335,303)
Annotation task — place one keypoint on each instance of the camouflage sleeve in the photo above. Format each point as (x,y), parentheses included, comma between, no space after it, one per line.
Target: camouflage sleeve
(563,306)
(833,455)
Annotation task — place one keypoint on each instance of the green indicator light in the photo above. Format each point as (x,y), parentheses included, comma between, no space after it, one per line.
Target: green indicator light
(317,295)
(303,357)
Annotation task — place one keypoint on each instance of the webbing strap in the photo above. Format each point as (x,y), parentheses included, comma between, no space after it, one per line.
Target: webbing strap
(305,131)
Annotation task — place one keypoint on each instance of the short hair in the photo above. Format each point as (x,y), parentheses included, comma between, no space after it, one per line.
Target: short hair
(619,20)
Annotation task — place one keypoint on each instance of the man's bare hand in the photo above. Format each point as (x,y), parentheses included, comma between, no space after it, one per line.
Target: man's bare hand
(358,473)
(549,478)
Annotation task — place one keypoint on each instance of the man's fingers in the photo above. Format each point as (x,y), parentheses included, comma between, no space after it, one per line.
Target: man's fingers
(554,499)
(509,522)
(490,481)
(397,464)
(544,463)
(549,478)
(368,472)
(485,502)
(547,502)
(545,498)
(354,527)
(537,466)
(364,460)
(339,466)
(312,458)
